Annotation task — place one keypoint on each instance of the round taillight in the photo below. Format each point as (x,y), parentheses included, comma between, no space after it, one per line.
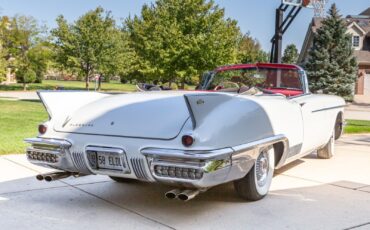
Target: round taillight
(42,128)
(187,140)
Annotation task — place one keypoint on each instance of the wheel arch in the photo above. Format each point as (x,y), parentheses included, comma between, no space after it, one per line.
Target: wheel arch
(279,149)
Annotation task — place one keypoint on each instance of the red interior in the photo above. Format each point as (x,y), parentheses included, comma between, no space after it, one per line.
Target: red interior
(287,92)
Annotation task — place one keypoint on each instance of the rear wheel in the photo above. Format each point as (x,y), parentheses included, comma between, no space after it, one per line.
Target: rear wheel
(256,184)
(327,151)
(122,180)
(339,126)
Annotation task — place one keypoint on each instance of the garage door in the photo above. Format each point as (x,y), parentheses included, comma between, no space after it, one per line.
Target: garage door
(367,85)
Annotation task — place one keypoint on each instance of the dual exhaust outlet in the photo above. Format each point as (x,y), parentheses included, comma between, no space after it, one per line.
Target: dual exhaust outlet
(180,194)
(183,195)
(55,176)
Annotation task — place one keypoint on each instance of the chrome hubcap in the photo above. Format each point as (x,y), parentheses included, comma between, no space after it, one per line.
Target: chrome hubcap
(262,168)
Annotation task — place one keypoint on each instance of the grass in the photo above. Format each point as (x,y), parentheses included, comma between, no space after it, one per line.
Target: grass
(68,85)
(18,120)
(357,126)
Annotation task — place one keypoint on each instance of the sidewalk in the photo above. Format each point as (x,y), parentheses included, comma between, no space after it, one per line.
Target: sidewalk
(357,112)
(308,194)
(19,95)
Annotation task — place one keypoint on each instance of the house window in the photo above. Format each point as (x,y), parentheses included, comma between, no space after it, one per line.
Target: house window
(356,41)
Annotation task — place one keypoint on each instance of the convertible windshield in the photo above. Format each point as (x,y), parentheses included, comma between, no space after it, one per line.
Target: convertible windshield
(256,80)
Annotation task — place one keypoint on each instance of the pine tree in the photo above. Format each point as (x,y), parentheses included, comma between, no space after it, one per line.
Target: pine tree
(331,66)
(290,54)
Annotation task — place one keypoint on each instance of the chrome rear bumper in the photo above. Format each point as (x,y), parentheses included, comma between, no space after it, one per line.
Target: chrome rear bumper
(184,168)
(207,168)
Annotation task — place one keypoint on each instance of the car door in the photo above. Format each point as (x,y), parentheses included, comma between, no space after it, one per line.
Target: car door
(315,122)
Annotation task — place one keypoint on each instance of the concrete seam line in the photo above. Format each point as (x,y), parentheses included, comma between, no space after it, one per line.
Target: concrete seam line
(357,226)
(31,190)
(61,186)
(122,207)
(319,182)
(19,164)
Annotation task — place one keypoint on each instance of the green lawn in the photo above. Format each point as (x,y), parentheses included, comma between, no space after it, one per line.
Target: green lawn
(356,126)
(18,120)
(68,85)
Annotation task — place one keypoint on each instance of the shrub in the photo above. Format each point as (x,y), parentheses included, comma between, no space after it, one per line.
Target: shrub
(25,76)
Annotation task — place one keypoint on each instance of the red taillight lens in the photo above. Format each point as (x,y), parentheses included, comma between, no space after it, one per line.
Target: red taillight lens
(42,128)
(187,140)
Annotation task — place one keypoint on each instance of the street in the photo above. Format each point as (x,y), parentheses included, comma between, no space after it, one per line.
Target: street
(308,194)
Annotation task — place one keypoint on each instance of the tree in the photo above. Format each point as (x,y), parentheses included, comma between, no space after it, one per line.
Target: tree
(290,54)
(249,50)
(178,39)
(3,50)
(25,76)
(22,38)
(39,57)
(89,44)
(331,66)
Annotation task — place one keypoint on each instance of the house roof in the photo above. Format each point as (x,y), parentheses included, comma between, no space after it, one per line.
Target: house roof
(362,21)
(366,12)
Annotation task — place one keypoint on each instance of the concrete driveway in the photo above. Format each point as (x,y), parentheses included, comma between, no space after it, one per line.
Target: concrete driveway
(308,194)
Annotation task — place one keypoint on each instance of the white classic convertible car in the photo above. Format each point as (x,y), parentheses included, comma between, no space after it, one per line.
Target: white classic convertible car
(244,121)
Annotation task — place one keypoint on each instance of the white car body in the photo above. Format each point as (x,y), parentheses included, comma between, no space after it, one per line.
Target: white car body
(145,130)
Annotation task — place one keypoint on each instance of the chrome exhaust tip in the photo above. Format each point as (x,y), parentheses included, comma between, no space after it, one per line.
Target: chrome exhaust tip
(188,195)
(56,176)
(40,177)
(172,194)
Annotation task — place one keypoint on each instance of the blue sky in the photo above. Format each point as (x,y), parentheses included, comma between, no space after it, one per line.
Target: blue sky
(254,16)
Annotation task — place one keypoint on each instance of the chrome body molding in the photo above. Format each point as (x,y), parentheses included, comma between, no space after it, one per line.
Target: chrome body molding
(49,142)
(245,150)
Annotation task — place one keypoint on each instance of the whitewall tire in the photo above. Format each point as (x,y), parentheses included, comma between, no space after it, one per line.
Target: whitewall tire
(256,184)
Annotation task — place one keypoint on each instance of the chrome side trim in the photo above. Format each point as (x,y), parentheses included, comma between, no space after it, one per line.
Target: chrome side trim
(249,147)
(329,108)
(260,143)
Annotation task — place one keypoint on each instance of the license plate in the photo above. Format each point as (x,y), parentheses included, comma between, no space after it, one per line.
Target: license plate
(107,160)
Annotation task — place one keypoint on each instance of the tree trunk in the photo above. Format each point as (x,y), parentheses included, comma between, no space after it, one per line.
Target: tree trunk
(87,80)
(182,85)
(24,87)
(99,82)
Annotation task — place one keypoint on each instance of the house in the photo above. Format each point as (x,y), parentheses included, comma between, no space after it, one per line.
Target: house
(359,28)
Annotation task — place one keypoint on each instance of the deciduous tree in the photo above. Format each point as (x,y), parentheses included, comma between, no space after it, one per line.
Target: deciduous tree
(89,44)
(290,54)
(250,51)
(178,39)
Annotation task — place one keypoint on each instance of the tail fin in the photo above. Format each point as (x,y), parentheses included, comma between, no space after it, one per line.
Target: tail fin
(62,103)
(200,105)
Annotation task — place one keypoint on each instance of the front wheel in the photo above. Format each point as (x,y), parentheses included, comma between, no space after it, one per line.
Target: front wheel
(256,184)
(327,151)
